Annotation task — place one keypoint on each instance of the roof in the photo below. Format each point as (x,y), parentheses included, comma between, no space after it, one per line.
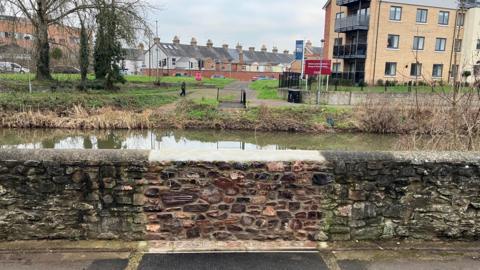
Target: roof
(12,48)
(134,54)
(225,54)
(316,50)
(448,4)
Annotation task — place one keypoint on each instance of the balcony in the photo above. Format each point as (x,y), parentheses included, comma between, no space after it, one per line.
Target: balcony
(350,51)
(352,23)
(356,77)
(346,2)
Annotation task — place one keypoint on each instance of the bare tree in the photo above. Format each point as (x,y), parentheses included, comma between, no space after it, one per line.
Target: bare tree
(42,14)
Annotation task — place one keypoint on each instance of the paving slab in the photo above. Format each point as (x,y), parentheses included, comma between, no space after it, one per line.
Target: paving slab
(233,261)
(459,264)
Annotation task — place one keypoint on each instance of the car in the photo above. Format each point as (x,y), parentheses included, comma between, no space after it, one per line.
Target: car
(65,70)
(10,67)
(216,76)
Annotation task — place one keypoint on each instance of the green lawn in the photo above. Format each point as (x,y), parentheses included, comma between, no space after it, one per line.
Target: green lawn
(137,79)
(266,89)
(137,99)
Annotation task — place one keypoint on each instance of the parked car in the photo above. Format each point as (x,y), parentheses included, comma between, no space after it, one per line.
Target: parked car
(65,70)
(9,67)
(216,76)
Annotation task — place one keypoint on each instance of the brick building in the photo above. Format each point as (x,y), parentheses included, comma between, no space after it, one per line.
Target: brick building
(189,58)
(395,40)
(17,32)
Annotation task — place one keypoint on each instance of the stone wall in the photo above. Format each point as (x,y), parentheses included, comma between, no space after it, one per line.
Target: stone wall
(290,195)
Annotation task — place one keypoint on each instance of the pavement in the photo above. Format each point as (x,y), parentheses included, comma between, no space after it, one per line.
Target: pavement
(238,255)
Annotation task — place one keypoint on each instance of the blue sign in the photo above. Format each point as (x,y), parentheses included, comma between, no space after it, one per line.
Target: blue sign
(299,50)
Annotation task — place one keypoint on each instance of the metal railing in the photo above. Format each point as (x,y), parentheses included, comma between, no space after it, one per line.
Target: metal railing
(354,50)
(350,23)
(351,76)
(345,2)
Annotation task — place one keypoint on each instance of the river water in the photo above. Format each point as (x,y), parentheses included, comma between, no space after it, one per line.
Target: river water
(190,139)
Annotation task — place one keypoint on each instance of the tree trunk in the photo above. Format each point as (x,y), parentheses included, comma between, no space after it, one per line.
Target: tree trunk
(43,50)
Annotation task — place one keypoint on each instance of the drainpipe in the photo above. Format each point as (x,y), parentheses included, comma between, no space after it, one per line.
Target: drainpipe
(376,42)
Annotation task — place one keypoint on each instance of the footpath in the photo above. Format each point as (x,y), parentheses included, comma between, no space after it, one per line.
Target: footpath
(251,255)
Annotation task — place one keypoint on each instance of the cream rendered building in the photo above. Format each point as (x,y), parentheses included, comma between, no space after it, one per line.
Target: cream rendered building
(471,44)
(397,40)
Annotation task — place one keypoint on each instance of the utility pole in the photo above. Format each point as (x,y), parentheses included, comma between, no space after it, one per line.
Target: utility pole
(156,33)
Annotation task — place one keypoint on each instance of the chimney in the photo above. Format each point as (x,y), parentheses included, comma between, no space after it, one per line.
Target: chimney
(251,49)
(209,43)
(225,46)
(275,50)
(176,40)
(193,42)
(309,44)
(286,52)
(156,40)
(239,47)
(264,48)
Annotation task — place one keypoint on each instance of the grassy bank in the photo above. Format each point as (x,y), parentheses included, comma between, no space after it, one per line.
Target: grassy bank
(186,115)
(266,89)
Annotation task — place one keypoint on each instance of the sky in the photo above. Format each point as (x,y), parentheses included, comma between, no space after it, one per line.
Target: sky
(253,23)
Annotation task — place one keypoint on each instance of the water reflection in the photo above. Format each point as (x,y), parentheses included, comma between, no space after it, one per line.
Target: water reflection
(197,139)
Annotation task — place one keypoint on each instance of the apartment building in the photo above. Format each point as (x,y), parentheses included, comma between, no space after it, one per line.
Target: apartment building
(18,33)
(396,40)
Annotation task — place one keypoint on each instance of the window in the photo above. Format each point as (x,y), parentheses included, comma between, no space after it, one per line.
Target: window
(461,19)
(340,15)
(440,44)
(478,44)
(422,15)
(336,67)
(454,71)
(418,43)
(390,69)
(338,41)
(416,69)
(395,13)
(437,71)
(393,41)
(174,61)
(443,17)
(458,45)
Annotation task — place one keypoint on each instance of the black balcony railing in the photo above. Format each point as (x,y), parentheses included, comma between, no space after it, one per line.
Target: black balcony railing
(350,51)
(355,77)
(351,23)
(346,2)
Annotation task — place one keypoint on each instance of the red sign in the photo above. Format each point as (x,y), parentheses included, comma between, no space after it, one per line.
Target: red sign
(317,67)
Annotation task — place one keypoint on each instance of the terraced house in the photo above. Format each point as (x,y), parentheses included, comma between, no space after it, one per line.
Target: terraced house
(173,58)
(400,40)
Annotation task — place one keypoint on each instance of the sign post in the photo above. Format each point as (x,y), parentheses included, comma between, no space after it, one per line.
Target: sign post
(319,67)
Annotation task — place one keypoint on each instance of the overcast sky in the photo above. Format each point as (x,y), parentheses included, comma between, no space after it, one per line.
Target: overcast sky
(250,22)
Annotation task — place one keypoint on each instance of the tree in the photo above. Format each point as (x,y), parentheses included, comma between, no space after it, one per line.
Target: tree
(117,22)
(57,53)
(42,14)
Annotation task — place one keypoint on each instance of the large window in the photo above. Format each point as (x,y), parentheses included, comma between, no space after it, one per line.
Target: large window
(336,67)
(174,61)
(437,71)
(338,41)
(454,71)
(390,69)
(395,13)
(440,44)
(393,41)
(422,15)
(418,43)
(416,69)
(461,19)
(340,15)
(443,17)
(458,45)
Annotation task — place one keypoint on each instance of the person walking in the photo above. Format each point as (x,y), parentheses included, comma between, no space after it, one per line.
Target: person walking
(184,89)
